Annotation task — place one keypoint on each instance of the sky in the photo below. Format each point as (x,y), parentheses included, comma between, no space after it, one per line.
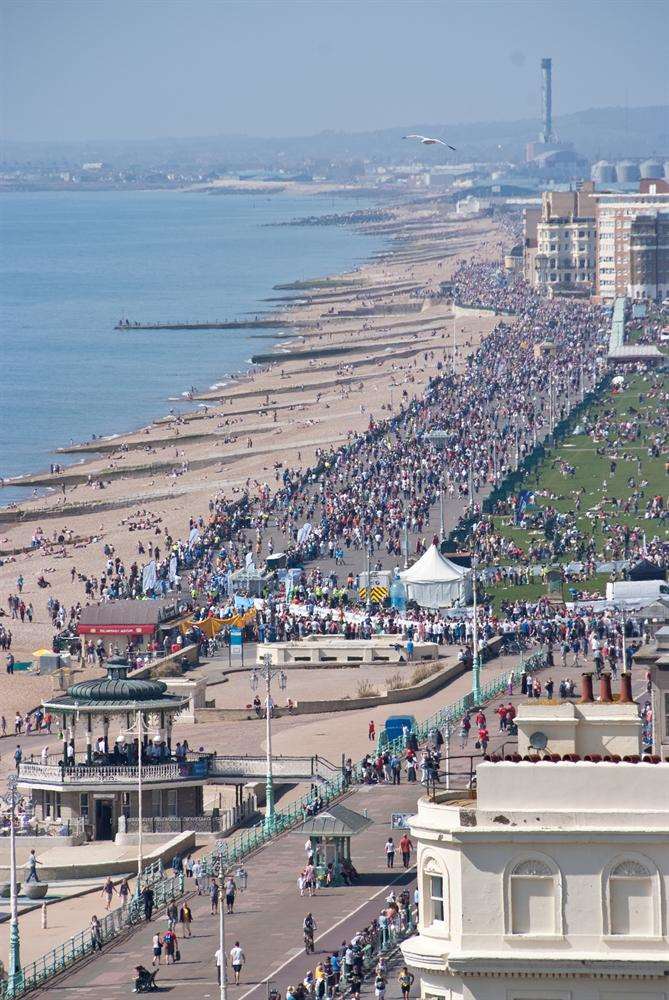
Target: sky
(114,69)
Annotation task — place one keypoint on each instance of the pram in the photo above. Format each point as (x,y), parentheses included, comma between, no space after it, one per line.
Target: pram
(145,981)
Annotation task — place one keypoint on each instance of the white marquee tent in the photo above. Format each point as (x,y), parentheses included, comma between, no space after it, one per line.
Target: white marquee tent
(436,582)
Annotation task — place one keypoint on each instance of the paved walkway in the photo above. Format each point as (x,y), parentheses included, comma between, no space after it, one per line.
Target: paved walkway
(268,917)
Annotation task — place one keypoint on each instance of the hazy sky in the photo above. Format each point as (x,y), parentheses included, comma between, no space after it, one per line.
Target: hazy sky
(84,69)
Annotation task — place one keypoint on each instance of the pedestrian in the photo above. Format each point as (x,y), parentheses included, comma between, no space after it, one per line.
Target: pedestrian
(157,943)
(147,899)
(108,891)
(237,959)
(170,944)
(213,896)
(230,890)
(124,892)
(371,731)
(406,980)
(380,986)
(96,933)
(220,964)
(172,914)
(186,919)
(406,847)
(390,852)
(32,867)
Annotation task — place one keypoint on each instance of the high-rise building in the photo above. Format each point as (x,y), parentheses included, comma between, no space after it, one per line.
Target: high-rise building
(551,879)
(560,241)
(633,242)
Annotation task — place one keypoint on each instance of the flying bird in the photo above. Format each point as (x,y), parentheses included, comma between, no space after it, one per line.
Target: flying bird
(427,140)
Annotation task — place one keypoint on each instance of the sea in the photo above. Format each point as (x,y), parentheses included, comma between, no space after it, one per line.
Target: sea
(72,264)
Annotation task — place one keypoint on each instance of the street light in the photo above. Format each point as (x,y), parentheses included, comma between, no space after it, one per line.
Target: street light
(139,725)
(267,673)
(476,666)
(15,974)
(243,877)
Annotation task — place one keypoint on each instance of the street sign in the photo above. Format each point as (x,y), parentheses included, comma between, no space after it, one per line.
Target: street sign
(236,637)
(399,821)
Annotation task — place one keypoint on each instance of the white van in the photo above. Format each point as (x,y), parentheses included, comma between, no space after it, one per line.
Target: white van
(637,592)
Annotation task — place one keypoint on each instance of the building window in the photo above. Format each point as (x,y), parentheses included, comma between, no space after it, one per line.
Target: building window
(436,898)
(633,900)
(435,894)
(666,715)
(533,898)
(84,805)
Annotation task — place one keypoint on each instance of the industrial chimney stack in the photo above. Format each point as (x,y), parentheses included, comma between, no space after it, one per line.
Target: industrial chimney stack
(547,99)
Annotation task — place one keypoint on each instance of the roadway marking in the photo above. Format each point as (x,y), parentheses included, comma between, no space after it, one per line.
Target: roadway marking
(280,968)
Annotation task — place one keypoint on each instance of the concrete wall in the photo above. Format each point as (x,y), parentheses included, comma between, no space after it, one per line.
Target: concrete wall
(417,691)
(80,868)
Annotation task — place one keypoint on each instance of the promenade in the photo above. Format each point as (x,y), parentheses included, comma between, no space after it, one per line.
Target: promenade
(268,916)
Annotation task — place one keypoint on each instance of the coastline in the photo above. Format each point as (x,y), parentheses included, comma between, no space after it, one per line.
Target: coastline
(359,349)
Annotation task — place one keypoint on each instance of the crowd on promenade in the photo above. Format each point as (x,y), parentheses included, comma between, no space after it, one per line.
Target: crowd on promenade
(384,483)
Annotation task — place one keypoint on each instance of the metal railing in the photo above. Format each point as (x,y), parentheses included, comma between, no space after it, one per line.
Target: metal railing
(229,766)
(452,714)
(37,973)
(114,774)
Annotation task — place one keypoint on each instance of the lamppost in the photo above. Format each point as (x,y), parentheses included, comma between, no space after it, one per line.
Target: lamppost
(476,666)
(141,729)
(267,673)
(15,974)
(368,588)
(243,882)
(441,514)
(453,345)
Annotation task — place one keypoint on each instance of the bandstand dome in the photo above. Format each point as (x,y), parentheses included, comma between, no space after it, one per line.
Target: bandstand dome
(117,693)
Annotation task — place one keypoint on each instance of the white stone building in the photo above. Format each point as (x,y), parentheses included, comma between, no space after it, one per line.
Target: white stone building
(551,883)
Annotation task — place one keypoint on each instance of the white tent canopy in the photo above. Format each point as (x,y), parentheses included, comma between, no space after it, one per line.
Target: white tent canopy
(436,582)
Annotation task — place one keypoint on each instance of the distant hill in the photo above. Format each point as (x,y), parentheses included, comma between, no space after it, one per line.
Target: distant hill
(596,132)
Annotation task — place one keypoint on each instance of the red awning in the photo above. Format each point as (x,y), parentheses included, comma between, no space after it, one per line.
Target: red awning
(116,629)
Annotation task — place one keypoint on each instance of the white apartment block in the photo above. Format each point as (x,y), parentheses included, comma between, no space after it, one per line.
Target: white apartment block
(633,243)
(551,881)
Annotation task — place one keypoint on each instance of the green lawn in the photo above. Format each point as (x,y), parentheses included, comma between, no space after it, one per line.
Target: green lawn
(593,476)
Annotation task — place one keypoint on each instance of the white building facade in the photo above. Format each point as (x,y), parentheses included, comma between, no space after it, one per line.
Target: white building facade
(552,883)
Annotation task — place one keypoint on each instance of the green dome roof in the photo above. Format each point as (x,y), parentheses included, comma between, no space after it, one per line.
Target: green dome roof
(117,686)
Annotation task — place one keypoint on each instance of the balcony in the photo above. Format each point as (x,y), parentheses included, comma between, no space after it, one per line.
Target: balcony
(118,776)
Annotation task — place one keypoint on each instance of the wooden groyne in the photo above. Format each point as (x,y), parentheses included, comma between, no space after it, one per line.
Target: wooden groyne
(241,324)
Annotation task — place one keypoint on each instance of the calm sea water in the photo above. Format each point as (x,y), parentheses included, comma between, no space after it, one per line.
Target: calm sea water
(72,264)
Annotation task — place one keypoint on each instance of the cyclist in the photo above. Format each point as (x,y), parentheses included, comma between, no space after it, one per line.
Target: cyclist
(308,927)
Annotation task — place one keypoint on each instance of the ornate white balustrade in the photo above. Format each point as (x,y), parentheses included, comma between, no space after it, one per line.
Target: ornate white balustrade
(101,774)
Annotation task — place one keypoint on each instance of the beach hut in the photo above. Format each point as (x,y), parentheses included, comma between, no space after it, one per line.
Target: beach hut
(436,582)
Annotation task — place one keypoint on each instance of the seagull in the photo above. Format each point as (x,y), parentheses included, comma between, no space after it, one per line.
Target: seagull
(427,140)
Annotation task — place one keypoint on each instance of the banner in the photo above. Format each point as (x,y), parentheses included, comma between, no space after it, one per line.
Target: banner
(304,533)
(193,538)
(172,572)
(149,577)
(524,497)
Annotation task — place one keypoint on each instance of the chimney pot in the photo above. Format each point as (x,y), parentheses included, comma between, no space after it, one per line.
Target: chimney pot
(605,693)
(586,688)
(626,688)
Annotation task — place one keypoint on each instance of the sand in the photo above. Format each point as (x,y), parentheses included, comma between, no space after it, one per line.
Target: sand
(286,409)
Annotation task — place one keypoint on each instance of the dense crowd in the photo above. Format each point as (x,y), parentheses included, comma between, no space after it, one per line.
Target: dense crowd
(383,484)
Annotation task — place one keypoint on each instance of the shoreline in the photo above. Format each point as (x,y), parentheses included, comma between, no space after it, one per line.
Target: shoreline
(280,330)
(382,348)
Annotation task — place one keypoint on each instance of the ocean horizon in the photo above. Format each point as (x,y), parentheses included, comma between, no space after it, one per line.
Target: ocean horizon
(75,263)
